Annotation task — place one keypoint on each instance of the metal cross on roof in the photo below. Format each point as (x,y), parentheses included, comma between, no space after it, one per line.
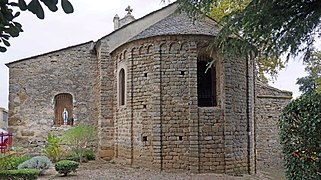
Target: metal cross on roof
(129,10)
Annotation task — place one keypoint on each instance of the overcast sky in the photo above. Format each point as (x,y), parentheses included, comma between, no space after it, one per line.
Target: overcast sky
(90,21)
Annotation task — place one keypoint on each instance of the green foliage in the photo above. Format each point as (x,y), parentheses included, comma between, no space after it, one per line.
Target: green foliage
(25,174)
(89,154)
(262,29)
(11,163)
(53,149)
(275,26)
(75,157)
(268,66)
(265,65)
(307,84)
(66,166)
(78,138)
(9,28)
(38,162)
(300,136)
(223,8)
(312,82)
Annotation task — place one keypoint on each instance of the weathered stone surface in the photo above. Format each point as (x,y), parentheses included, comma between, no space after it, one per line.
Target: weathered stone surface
(36,81)
(269,103)
(160,124)
(106,154)
(26,132)
(160,96)
(15,122)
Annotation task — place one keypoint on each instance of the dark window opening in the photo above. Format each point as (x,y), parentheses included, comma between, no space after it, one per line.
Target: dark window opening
(182,72)
(144,138)
(145,74)
(180,138)
(206,83)
(122,87)
(63,101)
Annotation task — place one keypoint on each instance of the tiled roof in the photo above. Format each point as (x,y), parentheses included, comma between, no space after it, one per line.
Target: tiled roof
(179,24)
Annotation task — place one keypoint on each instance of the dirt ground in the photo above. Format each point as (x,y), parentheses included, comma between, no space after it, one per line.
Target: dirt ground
(101,170)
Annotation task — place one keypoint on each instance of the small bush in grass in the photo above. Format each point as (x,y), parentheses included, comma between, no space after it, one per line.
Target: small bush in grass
(11,162)
(66,166)
(25,174)
(89,155)
(38,162)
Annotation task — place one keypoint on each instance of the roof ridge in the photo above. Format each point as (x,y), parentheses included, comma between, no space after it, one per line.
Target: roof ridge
(35,56)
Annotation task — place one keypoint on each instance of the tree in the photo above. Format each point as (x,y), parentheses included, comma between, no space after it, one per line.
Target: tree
(312,82)
(222,8)
(9,28)
(263,29)
(265,66)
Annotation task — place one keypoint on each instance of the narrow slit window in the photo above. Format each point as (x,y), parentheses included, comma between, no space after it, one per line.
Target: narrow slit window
(206,83)
(122,87)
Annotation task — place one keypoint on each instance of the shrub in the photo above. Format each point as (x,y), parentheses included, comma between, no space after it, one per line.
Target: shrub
(53,149)
(78,138)
(25,174)
(38,162)
(66,166)
(74,157)
(89,155)
(11,162)
(300,136)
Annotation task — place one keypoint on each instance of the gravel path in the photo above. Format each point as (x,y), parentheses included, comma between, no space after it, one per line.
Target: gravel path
(101,170)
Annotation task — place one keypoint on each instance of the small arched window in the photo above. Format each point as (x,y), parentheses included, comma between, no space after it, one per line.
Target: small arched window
(122,87)
(63,101)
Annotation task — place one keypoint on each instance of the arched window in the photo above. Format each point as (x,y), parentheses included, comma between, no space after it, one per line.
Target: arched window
(122,87)
(206,83)
(62,101)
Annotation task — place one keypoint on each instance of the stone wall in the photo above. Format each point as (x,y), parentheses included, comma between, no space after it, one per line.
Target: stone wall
(106,86)
(175,96)
(269,103)
(141,88)
(211,137)
(236,119)
(34,82)
(105,102)
(133,121)
(161,125)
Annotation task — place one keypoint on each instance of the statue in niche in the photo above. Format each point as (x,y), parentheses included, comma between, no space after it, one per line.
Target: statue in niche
(65,116)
